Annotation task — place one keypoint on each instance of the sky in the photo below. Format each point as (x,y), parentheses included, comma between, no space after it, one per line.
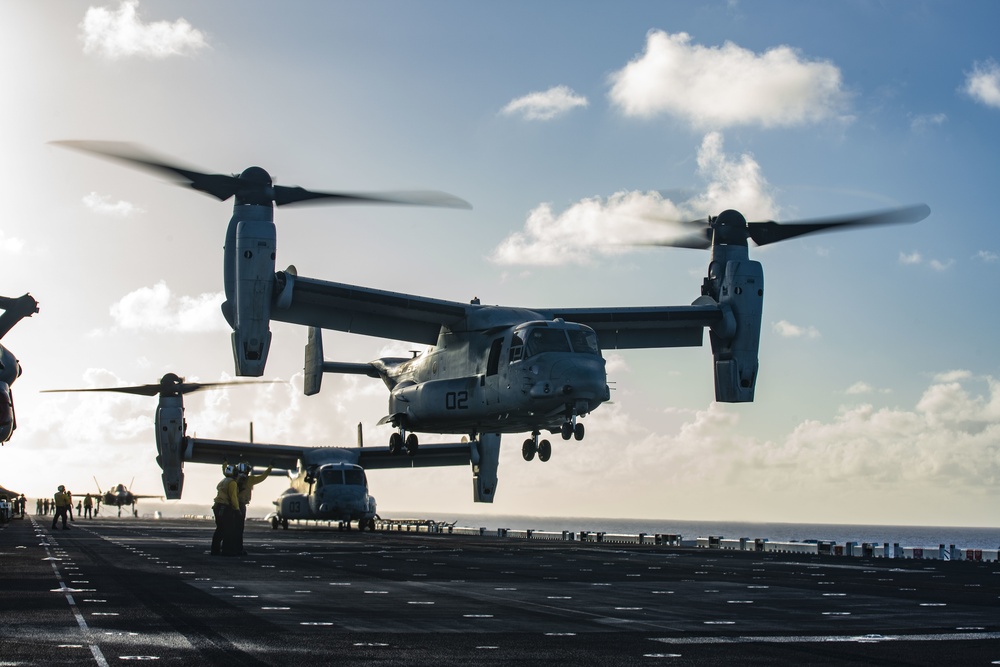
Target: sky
(566,124)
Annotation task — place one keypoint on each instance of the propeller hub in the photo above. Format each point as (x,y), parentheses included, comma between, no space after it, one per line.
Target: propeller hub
(254,187)
(730,228)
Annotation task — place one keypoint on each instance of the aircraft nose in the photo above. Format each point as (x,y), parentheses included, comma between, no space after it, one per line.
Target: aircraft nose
(581,377)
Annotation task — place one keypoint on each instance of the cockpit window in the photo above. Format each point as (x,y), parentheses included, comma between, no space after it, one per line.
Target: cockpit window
(543,339)
(584,341)
(332,476)
(354,476)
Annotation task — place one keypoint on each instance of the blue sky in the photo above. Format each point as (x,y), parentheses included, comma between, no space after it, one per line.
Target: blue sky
(564,124)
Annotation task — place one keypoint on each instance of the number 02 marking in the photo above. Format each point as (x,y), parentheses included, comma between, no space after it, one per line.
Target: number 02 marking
(456,400)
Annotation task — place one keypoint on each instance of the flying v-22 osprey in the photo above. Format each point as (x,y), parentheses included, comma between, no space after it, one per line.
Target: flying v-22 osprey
(492,369)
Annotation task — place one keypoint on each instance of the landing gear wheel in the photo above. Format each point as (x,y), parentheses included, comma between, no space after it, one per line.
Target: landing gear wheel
(412,444)
(371,524)
(275,523)
(578,431)
(544,451)
(567,431)
(395,443)
(284,524)
(528,449)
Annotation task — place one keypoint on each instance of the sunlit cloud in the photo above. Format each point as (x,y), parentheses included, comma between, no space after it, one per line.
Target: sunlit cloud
(910,258)
(953,376)
(861,388)
(545,105)
(983,83)
(924,122)
(987,256)
(102,205)
(719,87)
(115,34)
(605,227)
(786,329)
(157,309)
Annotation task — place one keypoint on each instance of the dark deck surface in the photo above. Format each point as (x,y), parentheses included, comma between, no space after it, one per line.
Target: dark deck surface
(113,590)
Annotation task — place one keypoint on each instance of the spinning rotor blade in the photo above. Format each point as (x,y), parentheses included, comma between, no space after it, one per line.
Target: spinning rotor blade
(763,233)
(169,385)
(254,185)
(731,227)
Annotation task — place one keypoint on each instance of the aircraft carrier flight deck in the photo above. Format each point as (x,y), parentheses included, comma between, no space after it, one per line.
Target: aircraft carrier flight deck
(112,590)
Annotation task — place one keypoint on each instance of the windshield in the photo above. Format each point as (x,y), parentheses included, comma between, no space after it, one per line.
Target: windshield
(354,476)
(584,341)
(543,339)
(332,476)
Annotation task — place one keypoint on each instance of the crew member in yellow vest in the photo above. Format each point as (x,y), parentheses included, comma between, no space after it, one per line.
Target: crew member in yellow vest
(227,512)
(61,501)
(245,481)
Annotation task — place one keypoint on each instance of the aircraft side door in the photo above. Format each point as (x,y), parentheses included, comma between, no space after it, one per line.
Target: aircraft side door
(495,373)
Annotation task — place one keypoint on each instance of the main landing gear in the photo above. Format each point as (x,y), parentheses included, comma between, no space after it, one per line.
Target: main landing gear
(532,446)
(397,443)
(570,429)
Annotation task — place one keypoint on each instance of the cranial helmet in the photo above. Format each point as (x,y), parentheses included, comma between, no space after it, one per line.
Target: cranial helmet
(229,471)
(62,488)
(243,468)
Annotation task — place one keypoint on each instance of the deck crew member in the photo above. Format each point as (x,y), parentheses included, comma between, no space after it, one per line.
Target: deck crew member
(61,501)
(226,510)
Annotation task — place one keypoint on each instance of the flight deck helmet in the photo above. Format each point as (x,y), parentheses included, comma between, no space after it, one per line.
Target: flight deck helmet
(229,471)
(243,469)
(61,488)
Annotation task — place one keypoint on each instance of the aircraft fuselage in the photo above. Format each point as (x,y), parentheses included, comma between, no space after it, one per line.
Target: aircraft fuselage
(530,376)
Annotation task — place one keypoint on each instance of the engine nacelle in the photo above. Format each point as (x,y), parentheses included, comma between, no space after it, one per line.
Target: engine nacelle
(10,369)
(7,421)
(485,453)
(313,369)
(170,445)
(254,285)
(735,342)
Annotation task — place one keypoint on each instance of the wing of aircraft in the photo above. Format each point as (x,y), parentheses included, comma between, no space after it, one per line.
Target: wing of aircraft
(288,457)
(373,312)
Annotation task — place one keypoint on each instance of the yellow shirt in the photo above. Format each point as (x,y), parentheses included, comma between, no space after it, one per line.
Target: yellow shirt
(227,493)
(61,499)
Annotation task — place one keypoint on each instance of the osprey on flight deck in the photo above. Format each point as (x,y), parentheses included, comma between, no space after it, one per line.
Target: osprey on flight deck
(14,310)
(492,369)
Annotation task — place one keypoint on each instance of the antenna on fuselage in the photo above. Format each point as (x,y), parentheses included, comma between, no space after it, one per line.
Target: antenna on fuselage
(361,438)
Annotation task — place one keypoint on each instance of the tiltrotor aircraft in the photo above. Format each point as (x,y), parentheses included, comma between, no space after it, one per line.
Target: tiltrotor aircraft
(14,310)
(327,483)
(120,496)
(492,369)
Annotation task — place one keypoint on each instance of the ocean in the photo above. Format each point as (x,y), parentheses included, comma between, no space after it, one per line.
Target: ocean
(905,536)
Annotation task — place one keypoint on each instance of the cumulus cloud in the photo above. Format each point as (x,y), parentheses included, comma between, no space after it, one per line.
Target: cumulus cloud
(115,34)
(861,387)
(545,105)
(156,308)
(786,329)
(924,122)
(595,226)
(987,256)
(983,83)
(916,259)
(948,440)
(102,205)
(719,87)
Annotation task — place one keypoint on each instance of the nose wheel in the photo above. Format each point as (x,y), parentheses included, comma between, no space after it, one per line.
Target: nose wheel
(572,429)
(397,443)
